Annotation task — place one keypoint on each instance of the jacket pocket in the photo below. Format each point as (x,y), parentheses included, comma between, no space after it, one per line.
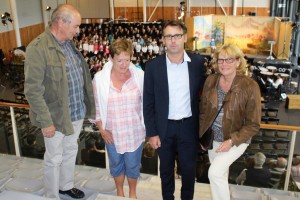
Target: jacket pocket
(53,83)
(54,72)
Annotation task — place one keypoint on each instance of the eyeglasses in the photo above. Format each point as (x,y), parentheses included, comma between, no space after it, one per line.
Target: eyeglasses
(176,36)
(227,60)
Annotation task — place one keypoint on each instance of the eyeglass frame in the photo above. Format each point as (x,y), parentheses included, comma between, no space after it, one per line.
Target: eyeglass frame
(226,60)
(175,36)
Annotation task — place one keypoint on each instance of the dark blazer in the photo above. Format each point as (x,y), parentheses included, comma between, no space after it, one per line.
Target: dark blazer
(258,177)
(156,93)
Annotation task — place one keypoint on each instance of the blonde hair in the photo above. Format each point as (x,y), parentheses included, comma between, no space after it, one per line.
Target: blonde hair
(232,51)
(119,46)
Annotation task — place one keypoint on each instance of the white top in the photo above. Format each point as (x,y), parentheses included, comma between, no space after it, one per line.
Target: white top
(144,49)
(150,48)
(155,49)
(138,48)
(102,79)
(85,46)
(91,47)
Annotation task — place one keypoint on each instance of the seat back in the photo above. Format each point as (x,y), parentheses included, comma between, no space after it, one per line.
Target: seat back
(272,120)
(272,112)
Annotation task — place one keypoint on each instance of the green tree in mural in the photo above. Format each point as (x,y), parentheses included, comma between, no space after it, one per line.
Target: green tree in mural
(218,32)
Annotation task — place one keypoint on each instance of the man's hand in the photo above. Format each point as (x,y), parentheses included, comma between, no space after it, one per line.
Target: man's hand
(49,132)
(154,142)
(107,136)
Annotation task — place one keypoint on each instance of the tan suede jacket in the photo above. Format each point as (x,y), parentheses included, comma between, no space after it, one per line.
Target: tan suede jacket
(242,108)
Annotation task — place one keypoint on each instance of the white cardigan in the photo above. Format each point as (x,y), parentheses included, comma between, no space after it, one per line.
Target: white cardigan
(102,80)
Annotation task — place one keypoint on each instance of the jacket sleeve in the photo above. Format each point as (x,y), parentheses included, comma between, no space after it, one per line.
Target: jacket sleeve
(203,110)
(149,102)
(252,112)
(34,70)
(97,103)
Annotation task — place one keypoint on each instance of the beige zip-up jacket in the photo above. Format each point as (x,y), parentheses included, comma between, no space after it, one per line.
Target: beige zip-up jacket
(46,84)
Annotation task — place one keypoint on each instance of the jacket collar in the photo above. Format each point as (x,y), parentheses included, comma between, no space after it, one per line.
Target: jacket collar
(186,58)
(235,84)
(52,43)
(235,88)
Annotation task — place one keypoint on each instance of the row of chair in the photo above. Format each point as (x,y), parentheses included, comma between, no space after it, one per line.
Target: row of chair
(270,142)
(269,112)
(238,192)
(268,115)
(269,120)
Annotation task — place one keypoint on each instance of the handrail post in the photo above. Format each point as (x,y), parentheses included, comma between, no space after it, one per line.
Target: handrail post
(15,131)
(290,159)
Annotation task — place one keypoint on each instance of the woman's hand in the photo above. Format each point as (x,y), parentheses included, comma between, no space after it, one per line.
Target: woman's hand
(225,146)
(107,136)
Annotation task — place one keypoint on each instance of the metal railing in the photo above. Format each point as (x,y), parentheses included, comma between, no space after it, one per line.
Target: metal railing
(11,107)
(294,130)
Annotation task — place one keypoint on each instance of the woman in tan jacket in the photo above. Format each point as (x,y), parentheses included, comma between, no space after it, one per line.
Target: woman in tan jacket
(238,120)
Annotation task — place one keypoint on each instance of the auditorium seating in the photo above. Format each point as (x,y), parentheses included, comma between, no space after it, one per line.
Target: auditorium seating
(270,142)
(247,192)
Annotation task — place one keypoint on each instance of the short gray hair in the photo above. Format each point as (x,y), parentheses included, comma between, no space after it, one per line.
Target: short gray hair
(259,159)
(64,12)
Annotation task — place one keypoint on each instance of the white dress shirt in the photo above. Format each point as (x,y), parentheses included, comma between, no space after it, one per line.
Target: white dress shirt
(179,89)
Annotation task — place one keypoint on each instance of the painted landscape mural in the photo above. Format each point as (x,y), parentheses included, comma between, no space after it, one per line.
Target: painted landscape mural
(251,34)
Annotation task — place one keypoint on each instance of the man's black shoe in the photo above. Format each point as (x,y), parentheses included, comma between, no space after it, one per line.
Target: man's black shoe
(74,193)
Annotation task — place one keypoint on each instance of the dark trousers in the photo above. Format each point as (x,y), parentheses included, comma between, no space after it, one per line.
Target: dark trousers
(181,137)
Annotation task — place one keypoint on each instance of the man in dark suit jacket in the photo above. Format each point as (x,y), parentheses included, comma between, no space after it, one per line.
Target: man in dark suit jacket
(172,85)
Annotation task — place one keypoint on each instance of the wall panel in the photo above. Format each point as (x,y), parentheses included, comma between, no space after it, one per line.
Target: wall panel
(92,8)
(27,34)
(7,41)
(168,13)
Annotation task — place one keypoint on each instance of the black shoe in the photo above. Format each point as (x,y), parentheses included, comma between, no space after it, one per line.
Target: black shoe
(74,193)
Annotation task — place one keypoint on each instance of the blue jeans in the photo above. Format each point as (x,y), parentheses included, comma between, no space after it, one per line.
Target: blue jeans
(128,163)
